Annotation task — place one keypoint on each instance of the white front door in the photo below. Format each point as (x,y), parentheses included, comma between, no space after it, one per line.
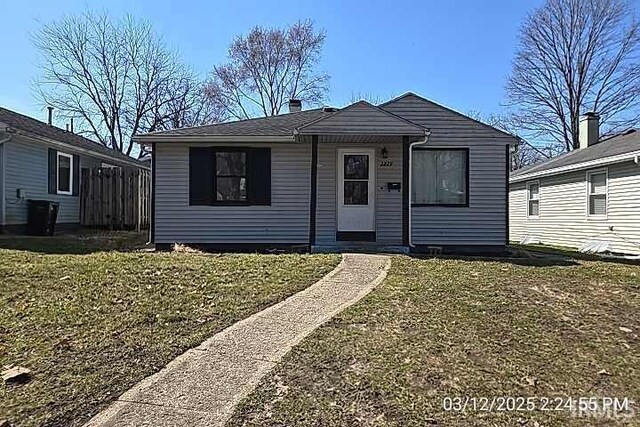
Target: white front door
(356,190)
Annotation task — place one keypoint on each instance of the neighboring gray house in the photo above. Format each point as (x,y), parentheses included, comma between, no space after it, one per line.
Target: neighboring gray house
(334,178)
(41,161)
(590,195)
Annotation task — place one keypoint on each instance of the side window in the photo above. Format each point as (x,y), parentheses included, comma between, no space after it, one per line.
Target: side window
(597,193)
(65,173)
(229,176)
(533,199)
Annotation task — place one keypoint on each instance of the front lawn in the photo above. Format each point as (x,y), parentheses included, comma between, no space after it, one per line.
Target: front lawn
(90,326)
(437,329)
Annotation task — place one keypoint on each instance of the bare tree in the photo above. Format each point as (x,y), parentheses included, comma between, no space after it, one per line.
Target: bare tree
(266,68)
(117,77)
(525,153)
(576,56)
(370,97)
(187,106)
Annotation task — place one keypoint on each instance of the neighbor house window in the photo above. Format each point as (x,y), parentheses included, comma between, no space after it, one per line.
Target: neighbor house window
(440,177)
(597,193)
(65,173)
(533,198)
(229,176)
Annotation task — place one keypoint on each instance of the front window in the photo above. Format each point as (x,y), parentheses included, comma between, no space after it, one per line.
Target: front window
(533,199)
(231,176)
(65,176)
(440,177)
(597,193)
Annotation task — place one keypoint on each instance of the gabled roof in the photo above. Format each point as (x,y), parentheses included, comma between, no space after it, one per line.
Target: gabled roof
(389,106)
(618,148)
(362,118)
(35,127)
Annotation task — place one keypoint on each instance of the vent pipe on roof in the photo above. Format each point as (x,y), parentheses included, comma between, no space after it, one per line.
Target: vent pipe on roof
(50,115)
(589,129)
(295,105)
(71,126)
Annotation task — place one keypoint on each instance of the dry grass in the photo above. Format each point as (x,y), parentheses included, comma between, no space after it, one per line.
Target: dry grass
(445,328)
(91,325)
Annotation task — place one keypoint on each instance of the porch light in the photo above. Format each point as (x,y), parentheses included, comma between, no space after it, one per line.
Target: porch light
(384,153)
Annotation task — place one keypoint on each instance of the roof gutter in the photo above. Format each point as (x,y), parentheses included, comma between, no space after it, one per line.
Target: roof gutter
(82,150)
(150,139)
(631,156)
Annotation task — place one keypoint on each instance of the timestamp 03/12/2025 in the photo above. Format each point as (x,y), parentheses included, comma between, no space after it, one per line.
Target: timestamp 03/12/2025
(594,406)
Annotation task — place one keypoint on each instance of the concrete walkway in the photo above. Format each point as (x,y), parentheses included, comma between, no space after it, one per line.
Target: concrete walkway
(202,386)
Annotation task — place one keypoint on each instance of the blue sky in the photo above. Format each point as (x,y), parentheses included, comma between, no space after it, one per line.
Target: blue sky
(456,52)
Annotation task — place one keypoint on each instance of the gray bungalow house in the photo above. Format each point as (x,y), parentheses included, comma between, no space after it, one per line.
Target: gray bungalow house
(587,198)
(41,161)
(407,174)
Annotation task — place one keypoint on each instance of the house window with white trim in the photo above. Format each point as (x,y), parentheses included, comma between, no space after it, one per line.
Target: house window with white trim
(440,177)
(597,193)
(533,199)
(64,173)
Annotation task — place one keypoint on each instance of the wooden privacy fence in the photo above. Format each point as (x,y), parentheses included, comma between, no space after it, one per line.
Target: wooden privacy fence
(115,198)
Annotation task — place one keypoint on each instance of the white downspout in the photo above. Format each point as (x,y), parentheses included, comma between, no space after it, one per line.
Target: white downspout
(427,134)
(2,179)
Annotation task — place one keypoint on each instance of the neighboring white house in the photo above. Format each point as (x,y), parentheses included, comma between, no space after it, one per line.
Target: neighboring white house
(408,173)
(589,196)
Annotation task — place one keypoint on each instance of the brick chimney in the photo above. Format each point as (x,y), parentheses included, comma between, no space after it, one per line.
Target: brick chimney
(589,130)
(295,105)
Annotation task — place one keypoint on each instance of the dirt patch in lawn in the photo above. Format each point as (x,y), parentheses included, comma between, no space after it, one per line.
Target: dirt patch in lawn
(91,326)
(439,329)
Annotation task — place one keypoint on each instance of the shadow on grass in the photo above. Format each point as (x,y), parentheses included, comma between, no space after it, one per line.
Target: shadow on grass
(551,261)
(542,251)
(77,244)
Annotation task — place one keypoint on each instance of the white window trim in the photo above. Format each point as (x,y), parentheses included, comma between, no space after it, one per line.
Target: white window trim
(109,165)
(529,184)
(606,193)
(70,157)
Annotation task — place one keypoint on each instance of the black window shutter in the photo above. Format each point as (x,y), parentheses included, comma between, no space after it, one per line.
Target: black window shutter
(201,176)
(76,175)
(259,176)
(53,171)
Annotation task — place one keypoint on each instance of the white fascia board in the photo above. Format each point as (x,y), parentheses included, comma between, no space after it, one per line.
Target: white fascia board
(578,166)
(77,149)
(149,139)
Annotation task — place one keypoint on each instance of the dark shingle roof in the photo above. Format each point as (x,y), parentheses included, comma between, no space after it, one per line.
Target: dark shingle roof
(280,125)
(28,124)
(625,143)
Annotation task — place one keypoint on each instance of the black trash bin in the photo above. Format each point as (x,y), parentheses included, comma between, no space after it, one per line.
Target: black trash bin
(41,217)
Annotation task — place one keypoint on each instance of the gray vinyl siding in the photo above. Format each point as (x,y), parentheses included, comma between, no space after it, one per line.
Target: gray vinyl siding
(285,221)
(26,168)
(388,204)
(2,203)
(563,218)
(483,222)
(362,119)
